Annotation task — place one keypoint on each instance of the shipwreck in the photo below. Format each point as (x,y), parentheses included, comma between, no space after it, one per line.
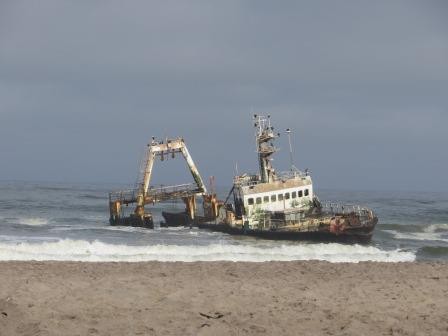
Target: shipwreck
(268,204)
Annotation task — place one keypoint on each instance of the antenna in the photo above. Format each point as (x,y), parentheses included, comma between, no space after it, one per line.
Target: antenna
(288,131)
(212,185)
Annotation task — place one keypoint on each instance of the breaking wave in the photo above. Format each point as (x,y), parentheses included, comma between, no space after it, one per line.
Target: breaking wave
(427,235)
(433,228)
(81,250)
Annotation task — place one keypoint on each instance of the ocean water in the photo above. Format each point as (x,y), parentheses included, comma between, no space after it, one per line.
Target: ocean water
(49,221)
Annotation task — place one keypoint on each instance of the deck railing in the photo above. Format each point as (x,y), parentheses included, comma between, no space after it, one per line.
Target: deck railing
(160,192)
(251,180)
(341,208)
(265,220)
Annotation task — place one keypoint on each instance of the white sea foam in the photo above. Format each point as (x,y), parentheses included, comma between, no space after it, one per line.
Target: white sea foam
(80,250)
(32,221)
(436,227)
(11,239)
(429,235)
(96,227)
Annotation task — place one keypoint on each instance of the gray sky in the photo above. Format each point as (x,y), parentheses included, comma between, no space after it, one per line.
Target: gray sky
(363,84)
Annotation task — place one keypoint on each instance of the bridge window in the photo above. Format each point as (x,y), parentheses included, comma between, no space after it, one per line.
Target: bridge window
(294,194)
(258,200)
(250,201)
(307,192)
(266,199)
(273,198)
(300,193)
(287,196)
(280,197)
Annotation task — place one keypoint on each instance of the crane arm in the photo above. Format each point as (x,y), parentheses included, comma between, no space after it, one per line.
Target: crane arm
(164,149)
(193,169)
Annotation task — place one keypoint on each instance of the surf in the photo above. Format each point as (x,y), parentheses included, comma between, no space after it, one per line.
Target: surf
(94,251)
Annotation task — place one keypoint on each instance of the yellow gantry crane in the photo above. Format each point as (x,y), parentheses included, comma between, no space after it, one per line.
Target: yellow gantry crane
(144,194)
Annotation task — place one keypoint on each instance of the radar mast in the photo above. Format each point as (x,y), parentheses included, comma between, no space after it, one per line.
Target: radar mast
(265,147)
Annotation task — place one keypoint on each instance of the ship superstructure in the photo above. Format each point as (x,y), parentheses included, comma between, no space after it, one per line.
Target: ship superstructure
(283,205)
(269,191)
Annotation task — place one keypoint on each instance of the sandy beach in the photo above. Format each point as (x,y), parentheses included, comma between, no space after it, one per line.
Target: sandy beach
(223,298)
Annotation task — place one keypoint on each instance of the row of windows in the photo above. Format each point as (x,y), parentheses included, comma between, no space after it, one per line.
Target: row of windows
(278,197)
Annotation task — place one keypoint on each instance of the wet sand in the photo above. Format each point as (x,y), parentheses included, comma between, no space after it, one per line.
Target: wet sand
(223,298)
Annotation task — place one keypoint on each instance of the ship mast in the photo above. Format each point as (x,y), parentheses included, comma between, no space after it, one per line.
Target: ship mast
(291,158)
(265,148)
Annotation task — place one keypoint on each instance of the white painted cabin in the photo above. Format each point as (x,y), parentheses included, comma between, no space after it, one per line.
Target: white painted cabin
(293,193)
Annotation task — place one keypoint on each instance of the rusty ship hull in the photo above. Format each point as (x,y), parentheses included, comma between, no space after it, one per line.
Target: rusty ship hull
(175,219)
(319,224)
(178,219)
(136,221)
(355,235)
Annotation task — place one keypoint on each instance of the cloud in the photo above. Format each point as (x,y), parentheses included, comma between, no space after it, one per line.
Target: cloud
(98,79)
